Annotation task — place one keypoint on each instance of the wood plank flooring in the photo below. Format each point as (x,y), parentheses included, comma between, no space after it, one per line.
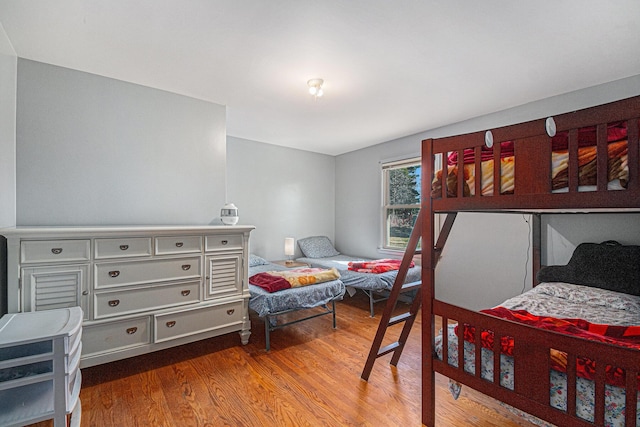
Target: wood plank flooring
(311,377)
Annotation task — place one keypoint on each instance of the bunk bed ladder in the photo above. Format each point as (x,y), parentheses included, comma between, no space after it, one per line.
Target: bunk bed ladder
(399,287)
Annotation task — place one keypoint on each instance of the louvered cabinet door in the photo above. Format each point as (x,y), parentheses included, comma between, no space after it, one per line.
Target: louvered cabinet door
(49,287)
(224,275)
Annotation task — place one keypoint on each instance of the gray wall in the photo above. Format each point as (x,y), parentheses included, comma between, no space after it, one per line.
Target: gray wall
(8,76)
(283,192)
(93,150)
(562,233)
(359,195)
(487,258)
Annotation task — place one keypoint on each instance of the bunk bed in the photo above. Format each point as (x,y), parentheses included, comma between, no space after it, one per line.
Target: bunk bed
(270,304)
(584,161)
(318,251)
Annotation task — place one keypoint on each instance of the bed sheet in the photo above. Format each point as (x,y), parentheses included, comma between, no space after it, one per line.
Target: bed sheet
(368,281)
(266,303)
(558,300)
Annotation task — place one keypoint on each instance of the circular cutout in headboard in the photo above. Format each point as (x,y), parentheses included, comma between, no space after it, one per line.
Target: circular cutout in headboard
(488,139)
(550,125)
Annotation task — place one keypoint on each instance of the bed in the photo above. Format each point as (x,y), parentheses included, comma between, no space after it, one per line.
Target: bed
(584,161)
(545,305)
(320,252)
(320,297)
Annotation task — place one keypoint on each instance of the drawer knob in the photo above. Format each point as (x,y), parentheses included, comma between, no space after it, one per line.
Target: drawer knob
(56,251)
(186,292)
(231,311)
(124,247)
(179,244)
(114,273)
(185,267)
(171,324)
(132,331)
(224,242)
(114,303)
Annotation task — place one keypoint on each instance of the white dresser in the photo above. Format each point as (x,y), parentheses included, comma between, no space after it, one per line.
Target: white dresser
(39,367)
(141,288)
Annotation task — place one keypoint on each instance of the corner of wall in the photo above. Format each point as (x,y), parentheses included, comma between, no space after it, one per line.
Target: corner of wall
(8,107)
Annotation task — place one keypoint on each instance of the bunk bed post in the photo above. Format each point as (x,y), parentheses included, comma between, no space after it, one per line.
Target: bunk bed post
(431,251)
(428,277)
(536,242)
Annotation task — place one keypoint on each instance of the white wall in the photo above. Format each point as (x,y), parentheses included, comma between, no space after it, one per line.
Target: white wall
(486,259)
(93,150)
(359,195)
(281,191)
(562,233)
(8,76)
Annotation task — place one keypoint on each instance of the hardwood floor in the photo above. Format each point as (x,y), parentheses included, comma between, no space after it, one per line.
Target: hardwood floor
(311,377)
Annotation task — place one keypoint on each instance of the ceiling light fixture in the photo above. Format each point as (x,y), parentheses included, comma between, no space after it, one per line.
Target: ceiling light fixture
(315,87)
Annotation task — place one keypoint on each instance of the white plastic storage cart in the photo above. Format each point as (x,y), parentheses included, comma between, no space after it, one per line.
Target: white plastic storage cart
(39,367)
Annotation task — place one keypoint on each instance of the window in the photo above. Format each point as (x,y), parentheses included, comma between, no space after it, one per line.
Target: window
(401,201)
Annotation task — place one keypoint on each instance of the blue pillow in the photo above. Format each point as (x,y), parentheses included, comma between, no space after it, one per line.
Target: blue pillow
(255,260)
(317,247)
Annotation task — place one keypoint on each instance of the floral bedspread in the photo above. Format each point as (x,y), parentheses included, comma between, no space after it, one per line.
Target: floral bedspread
(564,301)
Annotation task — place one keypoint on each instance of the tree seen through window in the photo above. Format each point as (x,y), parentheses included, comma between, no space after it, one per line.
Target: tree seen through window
(402,203)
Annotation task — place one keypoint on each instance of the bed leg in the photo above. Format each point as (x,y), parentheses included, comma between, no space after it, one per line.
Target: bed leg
(267,331)
(370,293)
(333,309)
(428,402)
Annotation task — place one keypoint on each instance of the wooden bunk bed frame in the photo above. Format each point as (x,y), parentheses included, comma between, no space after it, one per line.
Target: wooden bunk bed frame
(532,193)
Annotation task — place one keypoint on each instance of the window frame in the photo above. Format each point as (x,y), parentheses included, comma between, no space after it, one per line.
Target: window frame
(385,167)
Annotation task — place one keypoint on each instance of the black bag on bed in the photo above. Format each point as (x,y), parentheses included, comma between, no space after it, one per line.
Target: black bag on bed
(606,265)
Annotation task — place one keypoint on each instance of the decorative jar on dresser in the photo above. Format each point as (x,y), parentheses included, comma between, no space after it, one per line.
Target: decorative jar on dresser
(141,288)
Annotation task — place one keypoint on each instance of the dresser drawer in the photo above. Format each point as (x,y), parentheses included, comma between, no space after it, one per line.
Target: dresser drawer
(189,322)
(116,335)
(223,242)
(54,250)
(145,271)
(122,247)
(178,245)
(128,301)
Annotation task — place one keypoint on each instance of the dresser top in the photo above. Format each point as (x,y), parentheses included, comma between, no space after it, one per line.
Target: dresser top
(17,328)
(123,230)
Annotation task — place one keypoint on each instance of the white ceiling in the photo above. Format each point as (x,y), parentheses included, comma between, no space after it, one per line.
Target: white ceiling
(391,68)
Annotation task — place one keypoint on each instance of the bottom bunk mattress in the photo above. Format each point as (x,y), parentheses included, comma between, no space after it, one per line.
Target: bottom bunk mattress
(566,301)
(296,298)
(356,279)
